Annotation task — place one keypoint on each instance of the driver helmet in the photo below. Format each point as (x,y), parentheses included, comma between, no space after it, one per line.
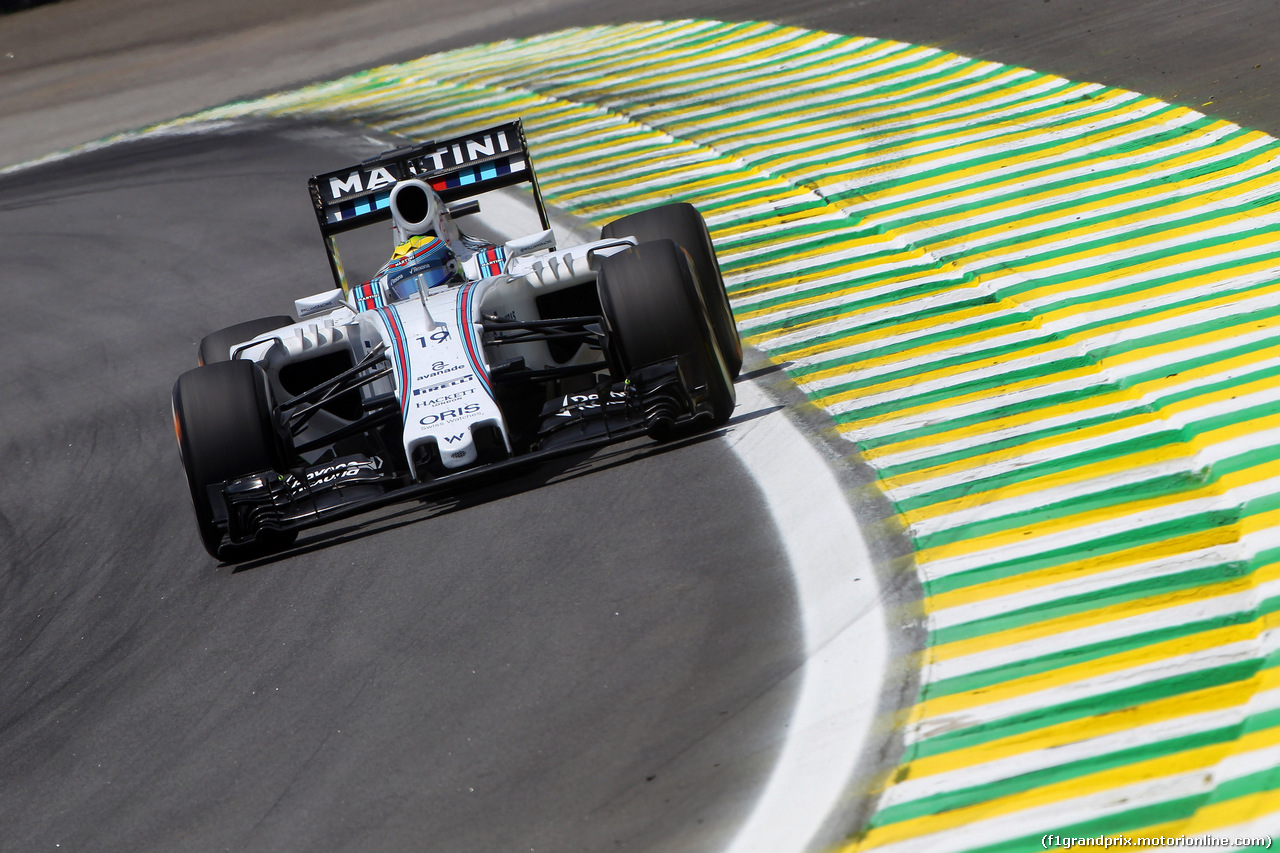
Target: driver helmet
(420,263)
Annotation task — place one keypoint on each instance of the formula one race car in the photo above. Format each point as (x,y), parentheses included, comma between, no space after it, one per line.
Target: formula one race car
(458,357)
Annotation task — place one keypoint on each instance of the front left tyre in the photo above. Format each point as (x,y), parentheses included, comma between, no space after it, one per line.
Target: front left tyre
(223,422)
(684,225)
(650,297)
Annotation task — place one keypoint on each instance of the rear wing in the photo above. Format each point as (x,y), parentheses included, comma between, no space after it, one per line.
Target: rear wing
(456,168)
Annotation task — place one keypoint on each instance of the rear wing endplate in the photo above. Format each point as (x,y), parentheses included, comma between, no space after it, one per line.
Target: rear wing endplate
(456,168)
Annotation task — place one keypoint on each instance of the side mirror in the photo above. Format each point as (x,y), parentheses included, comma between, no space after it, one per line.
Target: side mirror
(528,245)
(319,303)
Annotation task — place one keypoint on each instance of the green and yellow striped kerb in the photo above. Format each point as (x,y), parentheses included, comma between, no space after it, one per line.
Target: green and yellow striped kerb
(1046,312)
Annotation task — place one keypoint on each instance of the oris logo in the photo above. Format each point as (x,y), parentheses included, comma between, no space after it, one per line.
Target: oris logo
(449,415)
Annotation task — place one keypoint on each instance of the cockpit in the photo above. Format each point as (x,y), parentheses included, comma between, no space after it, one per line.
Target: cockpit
(420,263)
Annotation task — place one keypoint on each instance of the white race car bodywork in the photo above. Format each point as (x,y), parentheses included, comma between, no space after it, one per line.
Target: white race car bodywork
(459,358)
(441,370)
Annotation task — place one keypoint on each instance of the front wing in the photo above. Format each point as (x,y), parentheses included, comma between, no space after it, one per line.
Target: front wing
(656,401)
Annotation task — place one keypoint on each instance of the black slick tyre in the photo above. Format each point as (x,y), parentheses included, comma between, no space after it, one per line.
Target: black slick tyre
(216,346)
(655,312)
(222,419)
(683,224)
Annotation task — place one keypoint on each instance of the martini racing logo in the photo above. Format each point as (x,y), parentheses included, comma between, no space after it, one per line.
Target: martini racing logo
(363,180)
(454,154)
(462,152)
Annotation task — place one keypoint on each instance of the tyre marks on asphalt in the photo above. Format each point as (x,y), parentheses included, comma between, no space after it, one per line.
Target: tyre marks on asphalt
(1045,312)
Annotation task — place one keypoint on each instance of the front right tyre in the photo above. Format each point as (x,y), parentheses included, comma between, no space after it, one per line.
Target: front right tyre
(216,346)
(223,422)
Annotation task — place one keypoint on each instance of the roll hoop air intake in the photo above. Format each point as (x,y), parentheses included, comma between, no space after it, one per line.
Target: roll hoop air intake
(413,207)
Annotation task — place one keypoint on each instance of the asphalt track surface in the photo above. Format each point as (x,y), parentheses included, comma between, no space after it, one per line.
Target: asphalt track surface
(561,662)
(76,70)
(476,676)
